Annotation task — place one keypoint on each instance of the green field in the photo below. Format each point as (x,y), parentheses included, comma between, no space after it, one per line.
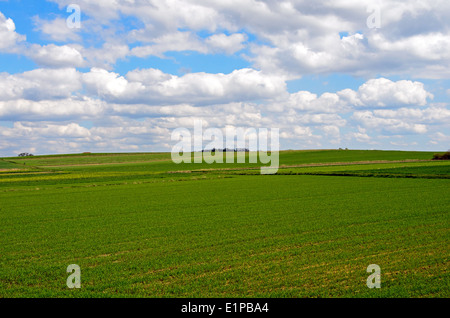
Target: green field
(139,225)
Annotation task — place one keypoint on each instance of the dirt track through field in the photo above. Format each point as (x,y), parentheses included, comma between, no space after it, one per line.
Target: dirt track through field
(234,168)
(101,164)
(353,163)
(308,165)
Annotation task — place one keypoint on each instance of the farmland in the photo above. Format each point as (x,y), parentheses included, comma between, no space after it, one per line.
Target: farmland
(139,225)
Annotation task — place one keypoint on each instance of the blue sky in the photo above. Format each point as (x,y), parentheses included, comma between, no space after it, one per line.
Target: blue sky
(333,74)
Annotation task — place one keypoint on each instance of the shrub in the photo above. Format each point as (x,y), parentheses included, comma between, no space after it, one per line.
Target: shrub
(445,156)
(25,154)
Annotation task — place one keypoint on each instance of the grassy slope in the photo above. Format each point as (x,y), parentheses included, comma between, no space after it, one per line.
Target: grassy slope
(433,169)
(286,158)
(224,235)
(8,165)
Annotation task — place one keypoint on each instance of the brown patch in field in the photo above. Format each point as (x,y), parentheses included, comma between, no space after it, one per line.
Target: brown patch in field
(101,164)
(324,164)
(180,171)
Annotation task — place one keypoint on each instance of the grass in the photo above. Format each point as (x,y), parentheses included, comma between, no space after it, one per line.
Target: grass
(387,170)
(138,231)
(8,165)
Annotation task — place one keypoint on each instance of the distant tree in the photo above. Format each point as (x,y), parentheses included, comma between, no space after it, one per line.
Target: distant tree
(445,156)
(25,154)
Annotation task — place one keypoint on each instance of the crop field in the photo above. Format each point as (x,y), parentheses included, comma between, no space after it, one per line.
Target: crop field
(139,225)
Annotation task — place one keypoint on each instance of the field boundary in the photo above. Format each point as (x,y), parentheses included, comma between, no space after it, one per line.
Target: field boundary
(305,165)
